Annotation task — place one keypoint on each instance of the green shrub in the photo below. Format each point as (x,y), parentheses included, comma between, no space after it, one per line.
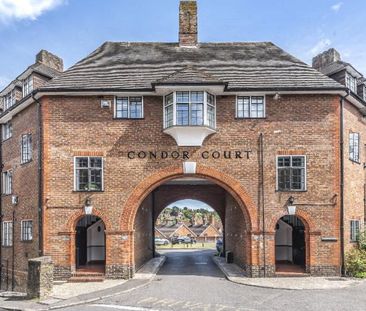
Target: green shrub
(356,263)
(361,239)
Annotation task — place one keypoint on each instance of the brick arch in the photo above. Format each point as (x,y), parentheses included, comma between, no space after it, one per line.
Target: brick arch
(231,185)
(73,220)
(309,230)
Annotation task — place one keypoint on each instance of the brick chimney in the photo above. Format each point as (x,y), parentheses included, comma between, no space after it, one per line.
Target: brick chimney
(50,60)
(188,23)
(326,58)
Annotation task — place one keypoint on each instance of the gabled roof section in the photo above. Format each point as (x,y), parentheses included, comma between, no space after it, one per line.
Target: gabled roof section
(118,66)
(338,66)
(189,75)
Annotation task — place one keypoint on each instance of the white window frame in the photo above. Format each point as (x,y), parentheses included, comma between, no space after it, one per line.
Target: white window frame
(364,93)
(27,85)
(102,175)
(352,145)
(351,82)
(204,111)
(250,106)
(22,229)
(7,239)
(128,107)
(9,100)
(7,179)
(29,146)
(305,172)
(7,130)
(353,232)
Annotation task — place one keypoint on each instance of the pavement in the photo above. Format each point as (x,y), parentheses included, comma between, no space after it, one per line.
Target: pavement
(194,280)
(235,274)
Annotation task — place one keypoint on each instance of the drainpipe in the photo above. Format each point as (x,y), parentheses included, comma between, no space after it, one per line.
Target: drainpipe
(342,181)
(261,160)
(1,212)
(13,253)
(40,179)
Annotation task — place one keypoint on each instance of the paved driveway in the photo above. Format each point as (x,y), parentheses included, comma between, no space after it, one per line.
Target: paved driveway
(189,280)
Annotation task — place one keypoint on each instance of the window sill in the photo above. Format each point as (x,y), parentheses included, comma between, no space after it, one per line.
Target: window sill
(88,191)
(6,194)
(250,118)
(284,191)
(25,163)
(353,161)
(4,140)
(137,119)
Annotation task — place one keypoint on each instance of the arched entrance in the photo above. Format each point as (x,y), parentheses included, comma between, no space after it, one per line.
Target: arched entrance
(234,218)
(290,245)
(90,244)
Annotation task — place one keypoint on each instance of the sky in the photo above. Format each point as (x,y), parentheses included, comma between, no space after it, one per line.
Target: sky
(191,204)
(74,28)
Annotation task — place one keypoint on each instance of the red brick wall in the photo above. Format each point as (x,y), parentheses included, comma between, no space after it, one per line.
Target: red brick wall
(296,124)
(25,186)
(354,173)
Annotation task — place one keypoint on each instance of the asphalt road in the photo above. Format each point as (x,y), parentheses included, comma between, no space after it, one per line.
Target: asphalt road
(189,280)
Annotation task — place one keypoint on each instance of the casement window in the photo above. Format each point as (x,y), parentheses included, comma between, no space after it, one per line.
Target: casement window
(9,100)
(351,82)
(27,86)
(185,108)
(27,230)
(88,173)
(7,182)
(250,107)
(26,148)
(291,173)
(7,130)
(354,147)
(355,230)
(7,233)
(129,108)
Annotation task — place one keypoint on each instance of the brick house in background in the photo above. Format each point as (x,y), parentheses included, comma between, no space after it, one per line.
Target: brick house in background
(92,155)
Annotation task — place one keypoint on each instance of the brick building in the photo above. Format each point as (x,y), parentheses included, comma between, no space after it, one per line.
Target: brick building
(91,156)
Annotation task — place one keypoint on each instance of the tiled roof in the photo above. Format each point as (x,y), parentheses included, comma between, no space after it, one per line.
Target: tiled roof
(136,66)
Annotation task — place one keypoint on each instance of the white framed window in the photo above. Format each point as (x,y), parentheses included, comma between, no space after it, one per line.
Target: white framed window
(7,130)
(291,173)
(7,182)
(88,175)
(27,86)
(9,100)
(355,230)
(129,107)
(354,147)
(364,93)
(26,148)
(248,107)
(189,108)
(7,233)
(351,82)
(26,230)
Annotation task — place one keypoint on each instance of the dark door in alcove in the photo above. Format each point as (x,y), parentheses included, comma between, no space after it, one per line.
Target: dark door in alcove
(298,244)
(81,246)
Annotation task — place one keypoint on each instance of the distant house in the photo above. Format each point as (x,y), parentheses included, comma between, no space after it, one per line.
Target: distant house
(202,233)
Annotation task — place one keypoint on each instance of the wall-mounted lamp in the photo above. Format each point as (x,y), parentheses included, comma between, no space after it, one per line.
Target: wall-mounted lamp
(277,96)
(291,208)
(88,207)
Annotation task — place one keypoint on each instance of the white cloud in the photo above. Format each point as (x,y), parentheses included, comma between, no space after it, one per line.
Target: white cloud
(320,46)
(336,7)
(25,9)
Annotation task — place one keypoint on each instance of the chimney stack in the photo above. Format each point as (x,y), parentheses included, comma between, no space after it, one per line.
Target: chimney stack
(188,23)
(326,58)
(50,60)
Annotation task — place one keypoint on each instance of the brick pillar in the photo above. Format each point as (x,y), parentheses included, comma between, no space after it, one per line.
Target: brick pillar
(40,277)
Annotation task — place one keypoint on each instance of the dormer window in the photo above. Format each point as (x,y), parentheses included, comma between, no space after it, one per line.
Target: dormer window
(351,82)
(364,93)
(9,100)
(189,116)
(27,86)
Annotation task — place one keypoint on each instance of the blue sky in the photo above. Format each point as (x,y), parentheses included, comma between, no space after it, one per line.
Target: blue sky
(191,204)
(74,28)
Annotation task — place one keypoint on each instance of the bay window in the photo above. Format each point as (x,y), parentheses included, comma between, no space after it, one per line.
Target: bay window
(189,108)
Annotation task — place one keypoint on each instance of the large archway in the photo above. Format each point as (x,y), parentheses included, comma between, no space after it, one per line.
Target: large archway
(237,226)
